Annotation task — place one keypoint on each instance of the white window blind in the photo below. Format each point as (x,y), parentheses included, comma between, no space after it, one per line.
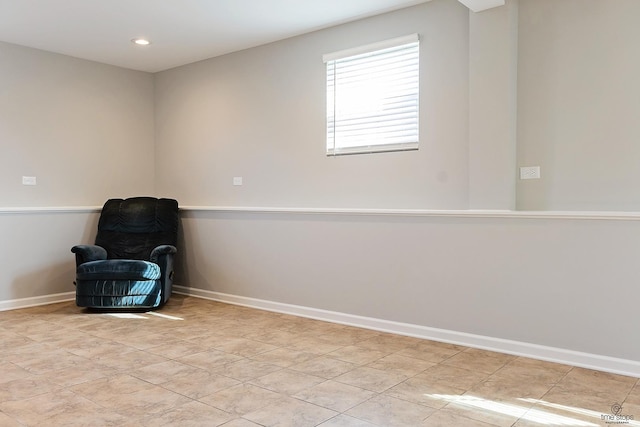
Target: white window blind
(372,97)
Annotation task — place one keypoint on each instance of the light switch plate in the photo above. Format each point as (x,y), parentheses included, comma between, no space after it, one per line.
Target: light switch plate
(237,180)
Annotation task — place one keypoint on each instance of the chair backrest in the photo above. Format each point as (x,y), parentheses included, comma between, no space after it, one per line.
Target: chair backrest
(132,228)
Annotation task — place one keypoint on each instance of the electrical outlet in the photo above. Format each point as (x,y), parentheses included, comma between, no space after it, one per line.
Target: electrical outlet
(28,180)
(237,180)
(530,172)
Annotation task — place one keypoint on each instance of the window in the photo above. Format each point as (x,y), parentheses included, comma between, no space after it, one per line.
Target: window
(372,97)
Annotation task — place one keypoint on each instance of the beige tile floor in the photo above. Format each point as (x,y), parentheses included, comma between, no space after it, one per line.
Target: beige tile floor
(202,363)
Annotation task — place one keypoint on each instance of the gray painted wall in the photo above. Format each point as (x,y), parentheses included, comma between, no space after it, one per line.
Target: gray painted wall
(579,104)
(259,114)
(83,129)
(564,283)
(35,254)
(493,74)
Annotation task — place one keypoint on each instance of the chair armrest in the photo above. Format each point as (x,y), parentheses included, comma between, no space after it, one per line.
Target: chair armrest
(158,251)
(163,256)
(86,253)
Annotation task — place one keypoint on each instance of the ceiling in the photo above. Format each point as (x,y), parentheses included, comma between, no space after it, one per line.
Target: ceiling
(181,31)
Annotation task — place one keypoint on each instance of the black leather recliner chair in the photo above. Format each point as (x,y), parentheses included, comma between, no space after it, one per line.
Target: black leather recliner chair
(131,263)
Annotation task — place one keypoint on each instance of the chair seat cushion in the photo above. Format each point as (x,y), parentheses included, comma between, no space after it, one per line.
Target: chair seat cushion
(118,269)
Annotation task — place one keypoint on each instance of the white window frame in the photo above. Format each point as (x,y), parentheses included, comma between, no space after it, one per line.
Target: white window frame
(380,123)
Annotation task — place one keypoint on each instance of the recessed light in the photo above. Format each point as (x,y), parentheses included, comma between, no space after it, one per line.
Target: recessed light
(141,42)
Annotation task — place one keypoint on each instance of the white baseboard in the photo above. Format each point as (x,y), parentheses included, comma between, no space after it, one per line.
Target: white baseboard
(517,348)
(15,304)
